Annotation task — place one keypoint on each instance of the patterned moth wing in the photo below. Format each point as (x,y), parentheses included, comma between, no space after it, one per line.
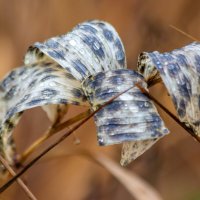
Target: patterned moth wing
(28,87)
(180,72)
(91,47)
(131,118)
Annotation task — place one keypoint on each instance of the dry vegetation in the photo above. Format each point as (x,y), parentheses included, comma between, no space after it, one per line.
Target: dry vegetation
(170,168)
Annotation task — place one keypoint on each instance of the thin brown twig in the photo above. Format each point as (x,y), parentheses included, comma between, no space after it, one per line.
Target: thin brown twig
(58,141)
(183,33)
(19,181)
(190,131)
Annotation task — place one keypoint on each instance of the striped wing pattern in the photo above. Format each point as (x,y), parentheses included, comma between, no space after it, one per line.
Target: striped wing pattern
(180,72)
(130,117)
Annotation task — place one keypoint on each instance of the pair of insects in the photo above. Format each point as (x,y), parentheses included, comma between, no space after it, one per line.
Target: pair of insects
(87,66)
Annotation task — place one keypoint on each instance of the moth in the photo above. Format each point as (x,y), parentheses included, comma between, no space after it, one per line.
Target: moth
(90,49)
(87,66)
(53,73)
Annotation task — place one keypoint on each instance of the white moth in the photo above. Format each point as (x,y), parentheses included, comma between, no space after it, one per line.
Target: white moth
(85,65)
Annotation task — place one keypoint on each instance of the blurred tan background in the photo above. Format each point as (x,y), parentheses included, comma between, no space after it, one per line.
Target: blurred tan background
(172,166)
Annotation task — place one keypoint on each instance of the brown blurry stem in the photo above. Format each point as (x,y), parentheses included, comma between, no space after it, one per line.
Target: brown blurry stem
(58,141)
(169,113)
(51,131)
(19,181)
(129,180)
(183,33)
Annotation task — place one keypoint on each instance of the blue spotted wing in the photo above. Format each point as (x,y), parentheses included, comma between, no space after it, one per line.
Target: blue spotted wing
(180,72)
(28,87)
(91,47)
(131,119)
(53,74)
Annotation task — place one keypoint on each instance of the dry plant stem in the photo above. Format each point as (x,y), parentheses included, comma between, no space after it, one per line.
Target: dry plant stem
(183,33)
(32,147)
(137,187)
(190,131)
(58,141)
(19,181)
(71,121)
(131,182)
(51,131)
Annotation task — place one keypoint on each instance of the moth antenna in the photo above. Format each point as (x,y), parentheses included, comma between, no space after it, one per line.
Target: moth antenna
(183,33)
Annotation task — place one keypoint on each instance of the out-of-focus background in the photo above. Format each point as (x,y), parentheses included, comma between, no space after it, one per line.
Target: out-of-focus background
(172,166)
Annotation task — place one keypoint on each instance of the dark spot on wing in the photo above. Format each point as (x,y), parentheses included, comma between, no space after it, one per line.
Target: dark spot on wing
(173,69)
(185,89)
(35,102)
(182,60)
(94,45)
(8,79)
(11,112)
(52,44)
(48,77)
(56,54)
(95,84)
(87,28)
(77,93)
(49,93)
(156,134)
(49,70)
(22,71)
(116,80)
(181,109)
(32,83)
(80,67)
(108,34)
(197,63)
(10,94)
(100,75)
(105,96)
(115,106)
